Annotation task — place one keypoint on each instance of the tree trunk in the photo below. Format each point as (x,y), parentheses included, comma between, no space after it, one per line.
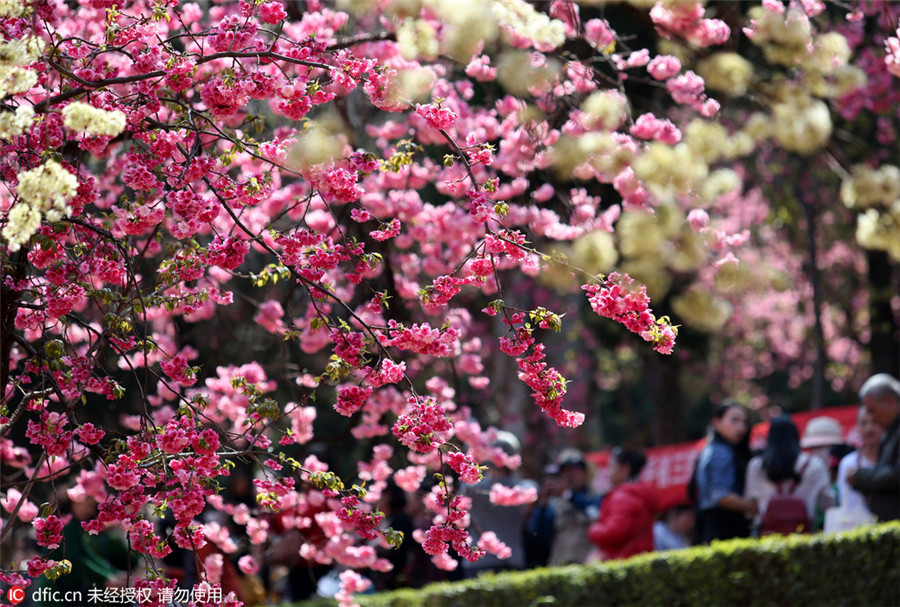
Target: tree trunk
(817,398)
(663,375)
(884,284)
(9,308)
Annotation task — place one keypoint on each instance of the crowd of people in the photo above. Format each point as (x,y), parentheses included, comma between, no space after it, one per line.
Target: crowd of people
(794,484)
(735,489)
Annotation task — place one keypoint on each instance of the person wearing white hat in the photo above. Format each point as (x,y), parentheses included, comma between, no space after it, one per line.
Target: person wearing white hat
(820,435)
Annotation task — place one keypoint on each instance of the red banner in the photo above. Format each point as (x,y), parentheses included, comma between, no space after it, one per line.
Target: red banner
(669,467)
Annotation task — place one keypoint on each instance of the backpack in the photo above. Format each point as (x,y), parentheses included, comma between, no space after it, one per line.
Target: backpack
(786,512)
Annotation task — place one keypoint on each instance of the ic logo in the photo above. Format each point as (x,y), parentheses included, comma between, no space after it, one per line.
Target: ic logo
(16,595)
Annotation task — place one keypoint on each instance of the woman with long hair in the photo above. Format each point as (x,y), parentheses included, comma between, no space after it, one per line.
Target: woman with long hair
(784,467)
(722,510)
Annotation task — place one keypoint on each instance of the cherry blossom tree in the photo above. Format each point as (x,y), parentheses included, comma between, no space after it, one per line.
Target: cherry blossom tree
(234,230)
(806,307)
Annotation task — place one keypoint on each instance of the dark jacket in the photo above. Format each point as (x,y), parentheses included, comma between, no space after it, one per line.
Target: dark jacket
(720,470)
(881,484)
(625,526)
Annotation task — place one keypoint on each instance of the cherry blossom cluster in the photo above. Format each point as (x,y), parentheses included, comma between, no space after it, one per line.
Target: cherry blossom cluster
(464,466)
(617,299)
(421,338)
(449,529)
(24,509)
(48,531)
(686,20)
(439,539)
(438,117)
(351,583)
(49,433)
(892,53)
(547,383)
(424,426)
(502,495)
(493,545)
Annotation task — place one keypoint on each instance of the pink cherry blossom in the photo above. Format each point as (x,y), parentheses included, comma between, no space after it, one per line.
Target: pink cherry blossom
(272,12)
(90,434)
(248,565)
(27,510)
(270,316)
(438,117)
(663,67)
(492,544)
(48,531)
(698,219)
(502,495)
(465,467)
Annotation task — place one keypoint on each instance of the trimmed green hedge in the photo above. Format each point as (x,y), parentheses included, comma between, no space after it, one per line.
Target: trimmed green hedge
(855,568)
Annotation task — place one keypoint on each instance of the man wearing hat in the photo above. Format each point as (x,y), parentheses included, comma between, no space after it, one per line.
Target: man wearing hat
(573,510)
(507,522)
(881,484)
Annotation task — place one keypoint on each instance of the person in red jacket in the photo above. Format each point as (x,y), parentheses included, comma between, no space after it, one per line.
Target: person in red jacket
(627,513)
